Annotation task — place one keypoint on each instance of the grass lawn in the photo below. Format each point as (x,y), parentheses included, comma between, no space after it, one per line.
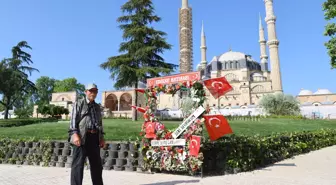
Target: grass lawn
(121,130)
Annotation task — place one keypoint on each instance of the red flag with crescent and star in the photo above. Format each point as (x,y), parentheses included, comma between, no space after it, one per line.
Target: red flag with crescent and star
(218,86)
(217,126)
(194,145)
(150,130)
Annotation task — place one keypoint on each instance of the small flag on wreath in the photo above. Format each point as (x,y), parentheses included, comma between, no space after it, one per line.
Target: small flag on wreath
(150,130)
(194,146)
(217,126)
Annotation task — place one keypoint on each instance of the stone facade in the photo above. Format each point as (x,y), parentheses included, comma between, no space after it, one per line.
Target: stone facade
(119,103)
(318,105)
(63,99)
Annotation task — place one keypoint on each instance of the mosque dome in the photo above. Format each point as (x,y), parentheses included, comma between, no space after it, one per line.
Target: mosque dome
(304,92)
(322,91)
(232,56)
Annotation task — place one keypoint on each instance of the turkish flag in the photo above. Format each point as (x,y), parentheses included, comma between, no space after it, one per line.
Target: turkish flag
(150,130)
(217,126)
(194,145)
(218,86)
(140,109)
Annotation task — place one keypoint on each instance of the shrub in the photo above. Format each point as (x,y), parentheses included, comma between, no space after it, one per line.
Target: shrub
(280,104)
(234,154)
(53,110)
(22,122)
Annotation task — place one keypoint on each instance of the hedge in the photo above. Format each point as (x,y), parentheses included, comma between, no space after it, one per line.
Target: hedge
(22,122)
(235,154)
(231,154)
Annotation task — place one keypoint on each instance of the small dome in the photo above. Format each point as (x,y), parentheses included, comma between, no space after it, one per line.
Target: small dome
(232,56)
(322,91)
(304,92)
(257,75)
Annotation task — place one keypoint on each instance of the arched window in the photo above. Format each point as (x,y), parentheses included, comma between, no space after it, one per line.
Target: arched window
(226,65)
(258,88)
(231,65)
(231,77)
(125,102)
(111,102)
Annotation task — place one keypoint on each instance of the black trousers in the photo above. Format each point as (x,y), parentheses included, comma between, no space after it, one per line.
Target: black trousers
(91,150)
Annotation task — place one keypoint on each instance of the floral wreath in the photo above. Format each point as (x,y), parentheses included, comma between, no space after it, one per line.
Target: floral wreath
(171,158)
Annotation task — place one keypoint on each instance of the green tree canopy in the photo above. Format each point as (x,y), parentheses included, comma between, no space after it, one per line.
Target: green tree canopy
(140,52)
(45,88)
(69,84)
(14,80)
(329,8)
(140,58)
(280,104)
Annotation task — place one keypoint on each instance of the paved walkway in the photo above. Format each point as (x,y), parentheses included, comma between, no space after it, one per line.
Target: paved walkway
(315,168)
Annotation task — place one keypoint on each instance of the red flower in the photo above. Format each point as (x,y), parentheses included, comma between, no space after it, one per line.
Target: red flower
(168,135)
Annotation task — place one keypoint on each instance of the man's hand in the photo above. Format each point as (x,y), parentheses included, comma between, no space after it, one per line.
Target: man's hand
(102,143)
(76,139)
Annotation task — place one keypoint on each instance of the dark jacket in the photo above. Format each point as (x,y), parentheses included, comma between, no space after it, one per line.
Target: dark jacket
(81,118)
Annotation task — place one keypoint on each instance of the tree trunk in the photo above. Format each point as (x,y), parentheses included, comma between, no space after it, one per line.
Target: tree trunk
(6,112)
(134,111)
(7,106)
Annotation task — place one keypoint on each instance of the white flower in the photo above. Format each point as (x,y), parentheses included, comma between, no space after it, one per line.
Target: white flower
(196,99)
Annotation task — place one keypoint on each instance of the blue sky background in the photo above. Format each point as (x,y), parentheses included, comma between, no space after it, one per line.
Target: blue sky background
(72,38)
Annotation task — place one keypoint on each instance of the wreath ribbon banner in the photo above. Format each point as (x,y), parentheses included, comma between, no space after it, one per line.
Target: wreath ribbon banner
(186,123)
(169,142)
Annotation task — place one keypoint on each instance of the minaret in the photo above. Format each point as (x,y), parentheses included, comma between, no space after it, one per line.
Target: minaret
(273,45)
(186,43)
(262,41)
(203,49)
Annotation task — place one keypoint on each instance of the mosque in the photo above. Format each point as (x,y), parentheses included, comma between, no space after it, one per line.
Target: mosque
(251,79)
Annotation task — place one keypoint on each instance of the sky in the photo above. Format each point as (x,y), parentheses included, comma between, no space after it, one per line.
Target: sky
(72,38)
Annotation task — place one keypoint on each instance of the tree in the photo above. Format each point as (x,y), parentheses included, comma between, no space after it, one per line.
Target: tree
(13,76)
(2,108)
(329,8)
(69,84)
(45,88)
(24,104)
(53,110)
(140,58)
(280,104)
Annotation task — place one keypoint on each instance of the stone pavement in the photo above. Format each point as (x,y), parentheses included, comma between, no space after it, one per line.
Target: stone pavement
(315,168)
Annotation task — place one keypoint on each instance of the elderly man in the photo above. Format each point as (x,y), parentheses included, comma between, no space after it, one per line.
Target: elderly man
(86,136)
